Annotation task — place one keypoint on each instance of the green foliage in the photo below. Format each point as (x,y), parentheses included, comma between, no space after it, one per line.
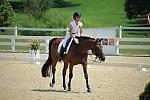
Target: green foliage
(58,1)
(7,14)
(55,19)
(37,7)
(136,8)
(95,13)
(17,5)
(34,44)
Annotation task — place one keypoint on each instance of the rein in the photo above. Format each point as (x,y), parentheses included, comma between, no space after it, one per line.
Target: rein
(94,59)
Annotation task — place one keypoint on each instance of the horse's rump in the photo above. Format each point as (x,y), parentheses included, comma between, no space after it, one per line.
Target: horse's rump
(48,63)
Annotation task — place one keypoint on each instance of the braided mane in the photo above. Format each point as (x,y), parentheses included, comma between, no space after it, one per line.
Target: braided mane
(84,37)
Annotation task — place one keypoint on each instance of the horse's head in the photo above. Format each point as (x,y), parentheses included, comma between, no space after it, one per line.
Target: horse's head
(97,50)
(87,43)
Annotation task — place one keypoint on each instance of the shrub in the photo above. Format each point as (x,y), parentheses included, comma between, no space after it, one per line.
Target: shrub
(7,14)
(146,94)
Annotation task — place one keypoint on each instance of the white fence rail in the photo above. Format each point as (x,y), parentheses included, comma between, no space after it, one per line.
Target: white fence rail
(120,39)
(13,38)
(13,42)
(133,46)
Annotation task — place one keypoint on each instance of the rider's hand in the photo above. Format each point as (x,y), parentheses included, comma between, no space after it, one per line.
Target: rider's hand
(76,40)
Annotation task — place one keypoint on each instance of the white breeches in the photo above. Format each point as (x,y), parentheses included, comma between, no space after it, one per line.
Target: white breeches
(67,37)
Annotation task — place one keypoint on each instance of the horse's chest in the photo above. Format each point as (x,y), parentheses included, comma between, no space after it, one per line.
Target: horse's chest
(76,58)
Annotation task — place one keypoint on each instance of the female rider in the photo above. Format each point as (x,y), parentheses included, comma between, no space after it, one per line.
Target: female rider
(75,29)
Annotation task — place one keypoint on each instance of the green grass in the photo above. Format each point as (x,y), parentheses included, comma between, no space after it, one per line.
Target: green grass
(124,35)
(134,52)
(95,13)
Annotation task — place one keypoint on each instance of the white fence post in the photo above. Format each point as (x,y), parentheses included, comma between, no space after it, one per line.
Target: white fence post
(120,32)
(46,45)
(120,36)
(13,39)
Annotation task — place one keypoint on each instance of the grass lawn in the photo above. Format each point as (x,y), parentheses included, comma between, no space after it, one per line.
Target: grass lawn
(95,13)
(134,52)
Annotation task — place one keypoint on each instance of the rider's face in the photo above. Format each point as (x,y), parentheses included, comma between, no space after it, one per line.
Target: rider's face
(77,18)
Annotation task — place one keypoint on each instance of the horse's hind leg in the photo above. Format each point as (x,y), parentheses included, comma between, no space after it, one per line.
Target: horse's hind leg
(70,76)
(64,74)
(54,62)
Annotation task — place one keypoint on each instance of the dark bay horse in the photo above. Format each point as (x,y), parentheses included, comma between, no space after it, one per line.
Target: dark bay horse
(77,54)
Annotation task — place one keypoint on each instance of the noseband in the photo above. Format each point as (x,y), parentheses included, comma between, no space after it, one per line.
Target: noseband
(97,50)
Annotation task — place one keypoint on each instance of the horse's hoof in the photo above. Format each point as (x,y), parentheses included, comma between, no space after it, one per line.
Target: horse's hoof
(88,90)
(69,89)
(64,88)
(51,85)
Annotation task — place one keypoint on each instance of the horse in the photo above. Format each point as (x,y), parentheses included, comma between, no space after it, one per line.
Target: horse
(77,54)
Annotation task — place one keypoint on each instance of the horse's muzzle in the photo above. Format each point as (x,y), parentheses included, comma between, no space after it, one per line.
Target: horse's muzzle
(102,58)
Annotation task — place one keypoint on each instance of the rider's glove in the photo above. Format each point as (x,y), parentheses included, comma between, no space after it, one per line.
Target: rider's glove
(76,40)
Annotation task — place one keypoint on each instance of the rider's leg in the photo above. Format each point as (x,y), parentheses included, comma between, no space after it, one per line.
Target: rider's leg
(64,45)
(66,39)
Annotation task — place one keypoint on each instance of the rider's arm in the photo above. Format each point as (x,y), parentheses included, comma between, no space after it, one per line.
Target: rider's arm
(70,30)
(81,31)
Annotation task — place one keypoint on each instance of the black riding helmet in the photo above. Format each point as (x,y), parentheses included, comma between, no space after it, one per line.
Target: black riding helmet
(76,14)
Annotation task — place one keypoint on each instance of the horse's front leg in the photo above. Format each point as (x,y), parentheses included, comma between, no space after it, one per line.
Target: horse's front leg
(70,76)
(64,74)
(54,62)
(86,76)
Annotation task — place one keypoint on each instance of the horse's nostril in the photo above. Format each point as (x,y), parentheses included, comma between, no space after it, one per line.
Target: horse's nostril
(103,59)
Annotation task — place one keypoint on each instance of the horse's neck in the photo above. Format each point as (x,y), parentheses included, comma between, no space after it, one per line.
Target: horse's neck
(86,45)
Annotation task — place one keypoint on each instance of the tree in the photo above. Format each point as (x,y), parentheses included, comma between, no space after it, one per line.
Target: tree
(7,14)
(57,3)
(136,8)
(38,7)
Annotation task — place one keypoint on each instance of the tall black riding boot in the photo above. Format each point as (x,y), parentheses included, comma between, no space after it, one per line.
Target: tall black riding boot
(61,54)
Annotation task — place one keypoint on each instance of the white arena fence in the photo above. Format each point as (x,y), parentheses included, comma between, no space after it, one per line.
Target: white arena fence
(13,43)
(118,38)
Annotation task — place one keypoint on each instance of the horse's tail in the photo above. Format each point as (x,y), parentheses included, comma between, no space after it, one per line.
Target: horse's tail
(48,63)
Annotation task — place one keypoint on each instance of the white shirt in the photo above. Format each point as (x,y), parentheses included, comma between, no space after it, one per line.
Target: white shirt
(75,27)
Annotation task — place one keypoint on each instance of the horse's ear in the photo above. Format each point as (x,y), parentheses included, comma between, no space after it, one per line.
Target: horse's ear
(99,40)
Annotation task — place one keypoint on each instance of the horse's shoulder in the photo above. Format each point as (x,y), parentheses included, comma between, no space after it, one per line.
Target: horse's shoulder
(58,39)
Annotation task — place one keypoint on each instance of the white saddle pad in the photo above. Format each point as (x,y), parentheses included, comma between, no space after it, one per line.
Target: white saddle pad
(60,45)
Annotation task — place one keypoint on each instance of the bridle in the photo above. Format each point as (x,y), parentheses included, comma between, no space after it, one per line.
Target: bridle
(97,50)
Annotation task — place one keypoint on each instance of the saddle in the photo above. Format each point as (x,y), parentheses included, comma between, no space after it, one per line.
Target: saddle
(66,48)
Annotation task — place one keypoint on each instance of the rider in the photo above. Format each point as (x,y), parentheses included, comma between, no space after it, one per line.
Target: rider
(75,29)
